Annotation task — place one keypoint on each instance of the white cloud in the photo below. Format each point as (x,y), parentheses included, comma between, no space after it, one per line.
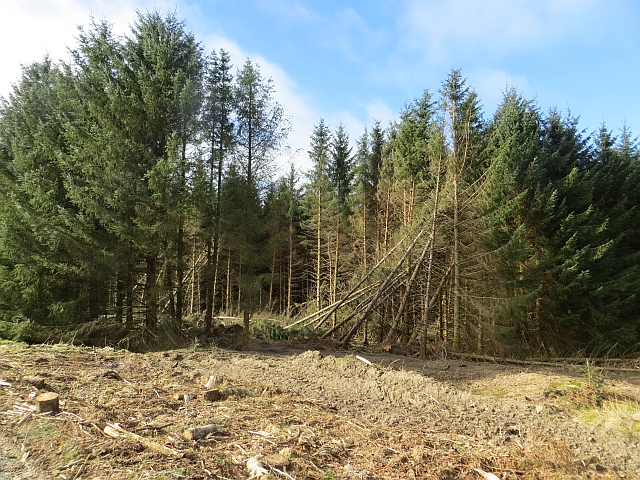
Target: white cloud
(497,26)
(289,10)
(30,29)
(491,84)
(379,110)
(296,106)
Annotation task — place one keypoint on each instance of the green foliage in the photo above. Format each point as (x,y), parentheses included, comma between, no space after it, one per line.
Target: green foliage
(270,330)
(137,177)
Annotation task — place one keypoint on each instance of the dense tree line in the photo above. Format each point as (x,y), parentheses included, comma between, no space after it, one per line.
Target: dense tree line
(137,187)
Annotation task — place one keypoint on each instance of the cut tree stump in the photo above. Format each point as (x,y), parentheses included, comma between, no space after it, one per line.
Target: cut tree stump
(47,402)
(186,397)
(199,432)
(212,395)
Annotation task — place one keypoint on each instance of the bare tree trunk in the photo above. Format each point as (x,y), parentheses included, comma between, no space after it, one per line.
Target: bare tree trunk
(193,279)
(228,293)
(362,280)
(364,233)
(208,314)
(434,219)
(354,329)
(456,269)
(130,287)
(319,253)
(335,276)
(290,279)
(396,320)
(273,268)
(121,285)
(150,293)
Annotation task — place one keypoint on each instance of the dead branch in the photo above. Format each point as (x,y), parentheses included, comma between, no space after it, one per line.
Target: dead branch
(362,280)
(114,430)
(354,329)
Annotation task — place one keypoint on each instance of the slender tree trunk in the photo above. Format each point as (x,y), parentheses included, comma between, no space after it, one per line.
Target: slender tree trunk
(130,285)
(121,285)
(434,220)
(168,281)
(334,289)
(405,298)
(150,293)
(456,269)
(290,277)
(364,233)
(193,279)
(228,293)
(354,329)
(180,278)
(273,269)
(319,252)
(208,314)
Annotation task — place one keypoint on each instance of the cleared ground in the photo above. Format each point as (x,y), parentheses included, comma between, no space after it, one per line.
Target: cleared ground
(282,412)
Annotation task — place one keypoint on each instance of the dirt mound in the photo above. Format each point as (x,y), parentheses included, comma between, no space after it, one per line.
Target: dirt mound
(281,413)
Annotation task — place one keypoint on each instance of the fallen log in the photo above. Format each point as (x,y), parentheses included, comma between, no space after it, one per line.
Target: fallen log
(540,363)
(199,432)
(347,338)
(362,280)
(114,430)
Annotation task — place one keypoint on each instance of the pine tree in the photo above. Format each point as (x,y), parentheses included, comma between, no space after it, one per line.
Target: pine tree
(315,202)
(261,127)
(47,261)
(219,136)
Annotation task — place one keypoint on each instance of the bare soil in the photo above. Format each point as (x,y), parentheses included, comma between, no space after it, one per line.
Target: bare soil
(309,414)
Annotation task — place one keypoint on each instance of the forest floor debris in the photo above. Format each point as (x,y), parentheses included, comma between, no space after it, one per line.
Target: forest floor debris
(281,412)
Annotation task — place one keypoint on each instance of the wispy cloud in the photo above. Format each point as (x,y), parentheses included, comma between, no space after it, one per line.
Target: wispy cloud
(288,10)
(491,85)
(31,29)
(493,26)
(347,32)
(296,106)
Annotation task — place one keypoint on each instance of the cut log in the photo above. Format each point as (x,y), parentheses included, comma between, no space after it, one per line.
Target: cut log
(212,395)
(47,402)
(199,432)
(35,381)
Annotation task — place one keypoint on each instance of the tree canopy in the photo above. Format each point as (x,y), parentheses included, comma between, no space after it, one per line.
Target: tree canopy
(138,188)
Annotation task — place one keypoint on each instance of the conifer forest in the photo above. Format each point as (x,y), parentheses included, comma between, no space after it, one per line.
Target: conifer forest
(139,187)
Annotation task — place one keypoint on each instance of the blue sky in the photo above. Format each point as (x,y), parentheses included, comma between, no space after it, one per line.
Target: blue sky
(354,61)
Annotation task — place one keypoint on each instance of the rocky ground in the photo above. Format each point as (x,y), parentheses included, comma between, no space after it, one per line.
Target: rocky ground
(285,412)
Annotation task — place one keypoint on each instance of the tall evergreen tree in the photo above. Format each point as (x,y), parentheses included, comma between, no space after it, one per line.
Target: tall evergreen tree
(261,127)
(218,129)
(316,199)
